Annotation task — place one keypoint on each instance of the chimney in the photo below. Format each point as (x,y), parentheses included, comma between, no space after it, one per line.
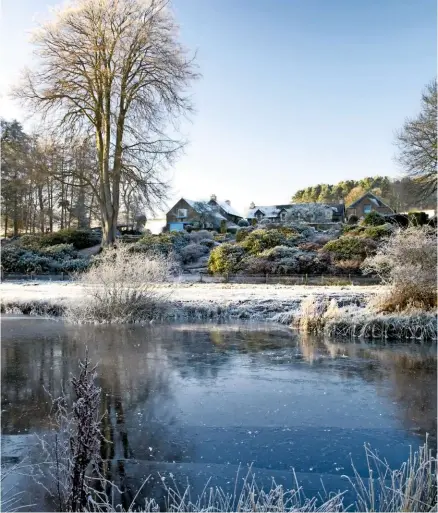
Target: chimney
(228,202)
(252,205)
(213,197)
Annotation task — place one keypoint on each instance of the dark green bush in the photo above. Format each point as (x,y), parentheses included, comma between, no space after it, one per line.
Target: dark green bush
(369,232)
(80,239)
(353,219)
(347,228)
(373,219)
(225,258)
(61,258)
(376,232)
(59,252)
(350,248)
(418,218)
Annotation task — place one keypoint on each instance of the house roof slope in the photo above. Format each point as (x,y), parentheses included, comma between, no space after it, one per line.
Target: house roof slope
(373,198)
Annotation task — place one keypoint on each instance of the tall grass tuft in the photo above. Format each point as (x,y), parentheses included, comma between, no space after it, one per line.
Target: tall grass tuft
(123,286)
(412,487)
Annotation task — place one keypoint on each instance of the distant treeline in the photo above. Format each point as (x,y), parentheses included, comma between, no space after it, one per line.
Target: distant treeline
(402,195)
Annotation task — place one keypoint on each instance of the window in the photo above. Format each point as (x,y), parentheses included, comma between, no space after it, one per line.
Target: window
(283,216)
(182,212)
(367,209)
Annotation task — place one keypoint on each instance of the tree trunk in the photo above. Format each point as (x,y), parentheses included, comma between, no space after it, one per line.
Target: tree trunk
(6,225)
(109,231)
(41,206)
(15,215)
(50,204)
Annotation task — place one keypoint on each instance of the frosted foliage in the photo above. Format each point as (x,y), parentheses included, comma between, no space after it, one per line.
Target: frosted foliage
(407,262)
(309,213)
(123,287)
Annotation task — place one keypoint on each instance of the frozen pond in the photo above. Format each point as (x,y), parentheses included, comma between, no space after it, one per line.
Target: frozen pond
(195,401)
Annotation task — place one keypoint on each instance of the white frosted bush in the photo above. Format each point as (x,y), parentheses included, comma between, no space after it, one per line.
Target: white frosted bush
(407,262)
(197,236)
(279,252)
(209,243)
(123,287)
(193,252)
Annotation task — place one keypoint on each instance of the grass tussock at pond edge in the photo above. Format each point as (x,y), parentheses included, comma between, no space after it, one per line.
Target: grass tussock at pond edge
(325,316)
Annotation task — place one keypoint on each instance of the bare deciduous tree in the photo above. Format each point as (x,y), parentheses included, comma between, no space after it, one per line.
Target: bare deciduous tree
(417,143)
(116,69)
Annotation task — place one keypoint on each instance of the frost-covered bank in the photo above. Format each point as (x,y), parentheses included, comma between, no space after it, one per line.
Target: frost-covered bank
(254,302)
(335,310)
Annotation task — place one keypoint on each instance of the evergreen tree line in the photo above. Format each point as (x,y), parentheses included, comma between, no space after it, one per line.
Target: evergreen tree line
(400,194)
(49,183)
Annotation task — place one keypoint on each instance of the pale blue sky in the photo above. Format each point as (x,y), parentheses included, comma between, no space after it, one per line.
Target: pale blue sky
(294,92)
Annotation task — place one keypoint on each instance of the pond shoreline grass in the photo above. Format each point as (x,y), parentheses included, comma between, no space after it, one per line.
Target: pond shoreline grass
(349,319)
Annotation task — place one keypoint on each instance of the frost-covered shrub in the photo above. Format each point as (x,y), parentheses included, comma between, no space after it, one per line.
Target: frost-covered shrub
(32,242)
(59,252)
(288,265)
(19,260)
(352,266)
(370,232)
(259,240)
(255,264)
(373,219)
(209,243)
(323,238)
(347,228)
(53,259)
(310,246)
(80,239)
(350,248)
(226,258)
(243,222)
(278,252)
(197,236)
(73,265)
(123,287)
(163,243)
(192,253)
(296,262)
(407,262)
(378,232)
(222,237)
(243,233)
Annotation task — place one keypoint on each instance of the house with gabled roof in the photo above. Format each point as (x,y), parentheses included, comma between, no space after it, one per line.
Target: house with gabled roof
(296,212)
(208,214)
(367,203)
